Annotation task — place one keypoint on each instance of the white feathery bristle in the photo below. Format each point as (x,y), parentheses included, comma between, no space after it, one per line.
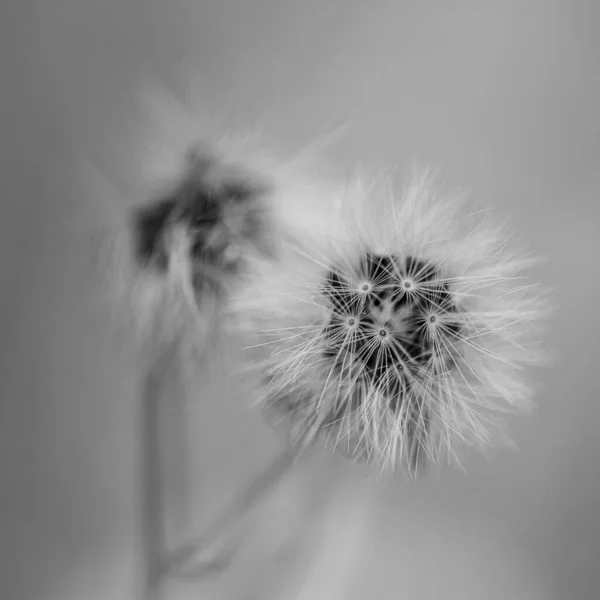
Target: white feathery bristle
(397,328)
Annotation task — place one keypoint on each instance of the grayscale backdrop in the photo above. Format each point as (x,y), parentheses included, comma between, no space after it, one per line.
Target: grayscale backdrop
(503,96)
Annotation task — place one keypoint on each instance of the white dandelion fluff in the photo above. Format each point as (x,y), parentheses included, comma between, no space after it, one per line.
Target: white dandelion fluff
(186,249)
(398,329)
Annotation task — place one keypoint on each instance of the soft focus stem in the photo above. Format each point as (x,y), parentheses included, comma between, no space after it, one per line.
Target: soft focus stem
(204,553)
(153,499)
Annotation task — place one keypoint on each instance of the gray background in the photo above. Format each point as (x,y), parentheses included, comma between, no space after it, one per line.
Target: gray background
(503,96)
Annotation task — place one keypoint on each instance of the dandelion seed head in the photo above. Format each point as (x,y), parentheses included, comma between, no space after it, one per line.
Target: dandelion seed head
(186,249)
(398,336)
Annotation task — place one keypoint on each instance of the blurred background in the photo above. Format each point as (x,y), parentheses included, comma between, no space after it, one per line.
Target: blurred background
(502,96)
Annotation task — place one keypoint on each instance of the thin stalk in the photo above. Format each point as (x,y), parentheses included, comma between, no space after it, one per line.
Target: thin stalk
(204,553)
(153,493)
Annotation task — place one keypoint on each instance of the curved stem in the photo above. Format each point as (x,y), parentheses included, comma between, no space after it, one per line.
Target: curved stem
(204,553)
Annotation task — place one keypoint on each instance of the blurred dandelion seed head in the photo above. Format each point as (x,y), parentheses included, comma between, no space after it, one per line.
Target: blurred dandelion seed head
(190,245)
(400,334)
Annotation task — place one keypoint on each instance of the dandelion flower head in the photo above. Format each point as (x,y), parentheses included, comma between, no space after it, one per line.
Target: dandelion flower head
(397,329)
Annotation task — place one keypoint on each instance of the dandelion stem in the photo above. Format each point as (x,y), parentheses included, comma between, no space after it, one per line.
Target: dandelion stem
(154,542)
(206,552)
